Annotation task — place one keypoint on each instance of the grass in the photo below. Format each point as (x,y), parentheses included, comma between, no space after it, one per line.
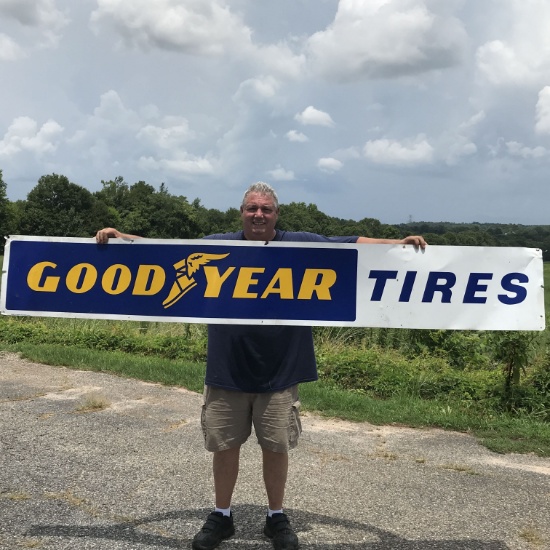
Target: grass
(153,369)
(533,536)
(546,271)
(500,433)
(15,495)
(93,403)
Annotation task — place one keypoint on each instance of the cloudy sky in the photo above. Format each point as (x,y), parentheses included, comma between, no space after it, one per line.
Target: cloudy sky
(434,110)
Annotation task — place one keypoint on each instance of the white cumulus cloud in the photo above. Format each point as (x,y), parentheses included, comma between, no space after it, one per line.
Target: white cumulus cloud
(455,144)
(172,132)
(517,149)
(313,117)
(386,38)
(42,20)
(388,151)
(518,53)
(280,174)
(294,135)
(182,164)
(112,114)
(257,89)
(542,125)
(277,58)
(24,134)
(33,13)
(194,27)
(329,164)
(500,64)
(190,26)
(145,137)
(10,50)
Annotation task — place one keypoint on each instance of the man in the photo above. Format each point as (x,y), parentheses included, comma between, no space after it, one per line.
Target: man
(252,378)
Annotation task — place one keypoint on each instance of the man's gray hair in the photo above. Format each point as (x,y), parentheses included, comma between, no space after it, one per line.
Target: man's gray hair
(263,189)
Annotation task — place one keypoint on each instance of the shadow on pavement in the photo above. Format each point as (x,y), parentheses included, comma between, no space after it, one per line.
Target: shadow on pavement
(248,524)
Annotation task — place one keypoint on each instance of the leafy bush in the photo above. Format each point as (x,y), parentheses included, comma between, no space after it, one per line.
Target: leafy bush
(463,349)
(387,373)
(532,395)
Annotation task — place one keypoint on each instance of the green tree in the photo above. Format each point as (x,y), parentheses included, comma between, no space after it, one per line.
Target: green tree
(211,220)
(3,206)
(15,211)
(142,210)
(57,207)
(173,216)
(297,216)
(514,349)
(7,214)
(371,227)
(114,193)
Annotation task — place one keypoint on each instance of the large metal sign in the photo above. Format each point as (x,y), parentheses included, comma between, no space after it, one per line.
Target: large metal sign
(202,281)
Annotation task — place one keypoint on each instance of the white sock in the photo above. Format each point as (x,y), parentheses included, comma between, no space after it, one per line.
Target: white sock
(224,511)
(270,512)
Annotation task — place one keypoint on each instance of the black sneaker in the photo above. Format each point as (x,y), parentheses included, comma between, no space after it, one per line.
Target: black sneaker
(277,527)
(216,528)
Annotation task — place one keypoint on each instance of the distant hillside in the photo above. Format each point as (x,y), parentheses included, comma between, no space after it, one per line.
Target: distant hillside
(482,234)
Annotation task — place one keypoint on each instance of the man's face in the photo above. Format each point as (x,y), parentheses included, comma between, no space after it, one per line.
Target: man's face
(259,217)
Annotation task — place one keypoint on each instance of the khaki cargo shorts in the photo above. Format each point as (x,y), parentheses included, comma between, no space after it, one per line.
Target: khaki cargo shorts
(227,418)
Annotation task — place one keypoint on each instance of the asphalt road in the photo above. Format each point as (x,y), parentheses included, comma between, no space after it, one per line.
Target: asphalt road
(134,475)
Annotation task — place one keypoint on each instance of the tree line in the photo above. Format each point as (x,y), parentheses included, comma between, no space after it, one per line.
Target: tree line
(60,208)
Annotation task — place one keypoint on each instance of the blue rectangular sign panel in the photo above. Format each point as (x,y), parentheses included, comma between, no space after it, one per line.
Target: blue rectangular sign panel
(189,279)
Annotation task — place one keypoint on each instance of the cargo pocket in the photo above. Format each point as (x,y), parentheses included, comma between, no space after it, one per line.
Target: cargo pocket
(295,425)
(203,422)
(203,413)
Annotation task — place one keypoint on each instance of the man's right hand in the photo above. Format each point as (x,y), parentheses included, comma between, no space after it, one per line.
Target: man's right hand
(103,235)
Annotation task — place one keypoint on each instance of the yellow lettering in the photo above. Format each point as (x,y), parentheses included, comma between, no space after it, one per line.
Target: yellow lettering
(116,279)
(281,284)
(214,280)
(35,275)
(245,281)
(310,284)
(81,278)
(144,276)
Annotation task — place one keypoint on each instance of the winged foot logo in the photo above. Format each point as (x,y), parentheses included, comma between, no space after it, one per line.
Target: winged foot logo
(185,269)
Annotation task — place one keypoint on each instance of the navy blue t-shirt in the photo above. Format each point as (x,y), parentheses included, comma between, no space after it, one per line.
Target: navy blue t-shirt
(263,358)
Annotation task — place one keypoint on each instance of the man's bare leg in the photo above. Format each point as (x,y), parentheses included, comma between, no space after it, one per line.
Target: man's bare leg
(277,526)
(226,469)
(219,525)
(275,470)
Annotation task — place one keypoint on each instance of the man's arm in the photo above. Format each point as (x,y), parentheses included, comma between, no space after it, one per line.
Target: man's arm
(416,240)
(103,235)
